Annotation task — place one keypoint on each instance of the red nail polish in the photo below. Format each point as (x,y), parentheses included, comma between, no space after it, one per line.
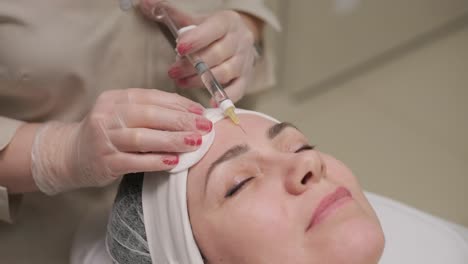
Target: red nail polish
(189,141)
(193,140)
(171,160)
(204,124)
(184,48)
(196,110)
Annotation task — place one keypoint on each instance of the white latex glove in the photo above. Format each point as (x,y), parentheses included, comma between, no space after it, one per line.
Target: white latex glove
(133,130)
(222,40)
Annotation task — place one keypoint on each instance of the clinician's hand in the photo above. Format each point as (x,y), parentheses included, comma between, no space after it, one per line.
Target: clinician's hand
(133,130)
(224,40)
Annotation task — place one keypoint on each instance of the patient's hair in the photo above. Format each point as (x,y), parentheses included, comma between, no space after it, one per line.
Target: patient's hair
(126,236)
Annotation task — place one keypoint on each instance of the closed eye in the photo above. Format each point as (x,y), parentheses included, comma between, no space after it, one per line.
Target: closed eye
(304,147)
(234,189)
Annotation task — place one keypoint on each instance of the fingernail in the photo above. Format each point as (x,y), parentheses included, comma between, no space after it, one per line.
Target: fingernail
(196,110)
(174,72)
(204,124)
(184,48)
(193,140)
(171,160)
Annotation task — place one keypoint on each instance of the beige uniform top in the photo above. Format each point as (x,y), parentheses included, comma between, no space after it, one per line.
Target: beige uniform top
(56,57)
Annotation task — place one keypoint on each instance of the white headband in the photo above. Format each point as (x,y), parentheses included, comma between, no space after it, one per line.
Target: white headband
(167,224)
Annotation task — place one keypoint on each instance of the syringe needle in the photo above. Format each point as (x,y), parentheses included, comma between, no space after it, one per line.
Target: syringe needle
(242,129)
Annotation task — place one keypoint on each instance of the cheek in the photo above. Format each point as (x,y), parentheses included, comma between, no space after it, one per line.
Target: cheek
(267,210)
(340,174)
(256,217)
(248,227)
(357,239)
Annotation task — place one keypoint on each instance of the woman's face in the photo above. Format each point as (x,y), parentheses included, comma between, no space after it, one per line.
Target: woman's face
(267,197)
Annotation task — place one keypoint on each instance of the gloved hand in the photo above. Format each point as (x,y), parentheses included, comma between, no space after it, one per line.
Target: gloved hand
(133,130)
(223,40)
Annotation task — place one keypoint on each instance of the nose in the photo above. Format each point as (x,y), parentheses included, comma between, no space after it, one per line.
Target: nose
(305,169)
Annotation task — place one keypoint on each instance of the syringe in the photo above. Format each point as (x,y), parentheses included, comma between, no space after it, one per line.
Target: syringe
(216,90)
(214,87)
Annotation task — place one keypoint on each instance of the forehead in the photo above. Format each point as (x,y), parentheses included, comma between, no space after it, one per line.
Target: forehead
(229,134)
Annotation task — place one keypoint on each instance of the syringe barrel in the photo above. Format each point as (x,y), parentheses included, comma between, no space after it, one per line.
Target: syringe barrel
(214,87)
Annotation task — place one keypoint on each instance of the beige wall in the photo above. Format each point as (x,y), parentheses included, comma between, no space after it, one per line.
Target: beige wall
(326,39)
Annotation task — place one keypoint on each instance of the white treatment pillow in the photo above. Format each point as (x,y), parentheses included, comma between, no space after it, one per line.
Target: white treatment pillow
(413,237)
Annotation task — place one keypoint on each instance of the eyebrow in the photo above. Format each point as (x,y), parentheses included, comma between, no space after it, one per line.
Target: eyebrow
(238,150)
(276,129)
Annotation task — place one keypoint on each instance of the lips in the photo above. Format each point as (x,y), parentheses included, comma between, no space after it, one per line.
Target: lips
(328,204)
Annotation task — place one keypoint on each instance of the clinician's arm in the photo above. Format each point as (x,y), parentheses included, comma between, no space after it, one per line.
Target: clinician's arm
(15,161)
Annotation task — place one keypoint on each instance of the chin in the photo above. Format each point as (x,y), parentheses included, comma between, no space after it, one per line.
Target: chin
(362,240)
(355,240)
